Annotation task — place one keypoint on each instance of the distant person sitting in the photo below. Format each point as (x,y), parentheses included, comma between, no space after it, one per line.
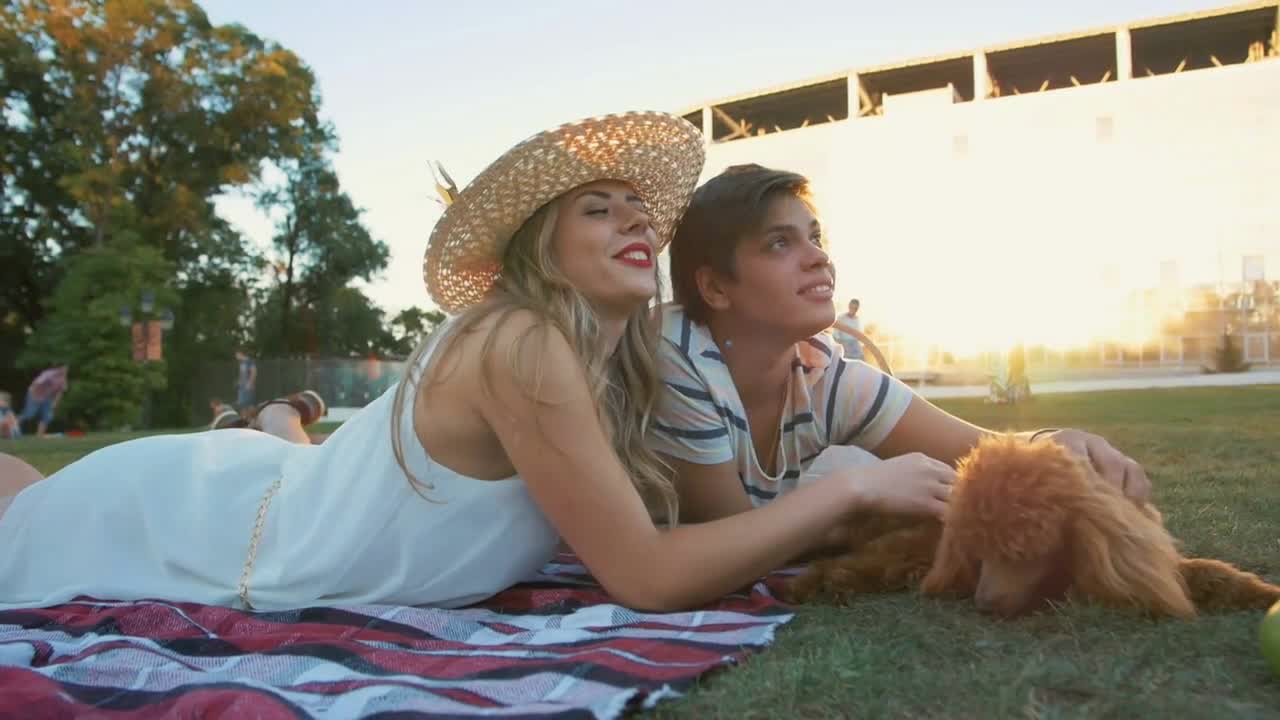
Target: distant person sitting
(851,343)
(43,397)
(221,412)
(9,427)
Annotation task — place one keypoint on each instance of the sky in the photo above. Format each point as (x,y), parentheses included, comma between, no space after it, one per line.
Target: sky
(460,82)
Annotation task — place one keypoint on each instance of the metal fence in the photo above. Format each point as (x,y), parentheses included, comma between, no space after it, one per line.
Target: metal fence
(341,382)
(355,383)
(1185,353)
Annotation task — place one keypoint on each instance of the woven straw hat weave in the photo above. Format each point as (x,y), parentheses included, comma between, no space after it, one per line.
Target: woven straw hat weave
(659,155)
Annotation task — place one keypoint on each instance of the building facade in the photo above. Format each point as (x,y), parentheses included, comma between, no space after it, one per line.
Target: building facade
(1084,192)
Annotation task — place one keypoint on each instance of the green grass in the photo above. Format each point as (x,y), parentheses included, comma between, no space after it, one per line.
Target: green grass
(1212,454)
(48,455)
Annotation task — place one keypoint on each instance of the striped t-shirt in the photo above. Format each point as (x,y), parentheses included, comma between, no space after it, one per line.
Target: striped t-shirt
(830,401)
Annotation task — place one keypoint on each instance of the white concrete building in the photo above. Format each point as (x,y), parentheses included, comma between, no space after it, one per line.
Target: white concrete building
(1027,191)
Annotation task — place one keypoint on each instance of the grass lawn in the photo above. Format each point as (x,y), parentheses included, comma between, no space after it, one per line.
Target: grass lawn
(50,454)
(1212,454)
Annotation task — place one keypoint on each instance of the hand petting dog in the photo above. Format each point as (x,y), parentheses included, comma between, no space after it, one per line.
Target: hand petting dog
(1111,465)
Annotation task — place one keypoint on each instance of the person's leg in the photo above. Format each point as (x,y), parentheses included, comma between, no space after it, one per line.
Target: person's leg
(284,422)
(15,476)
(287,417)
(46,417)
(28,410)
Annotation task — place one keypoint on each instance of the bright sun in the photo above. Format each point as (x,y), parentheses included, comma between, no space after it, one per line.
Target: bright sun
(990,307)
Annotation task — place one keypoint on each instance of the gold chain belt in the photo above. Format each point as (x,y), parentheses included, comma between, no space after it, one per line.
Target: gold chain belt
(253,542)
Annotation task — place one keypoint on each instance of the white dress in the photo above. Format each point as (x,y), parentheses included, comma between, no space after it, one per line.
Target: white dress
(171,517)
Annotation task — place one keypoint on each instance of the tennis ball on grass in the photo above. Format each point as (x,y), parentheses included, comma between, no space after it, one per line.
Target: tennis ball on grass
(1270,638)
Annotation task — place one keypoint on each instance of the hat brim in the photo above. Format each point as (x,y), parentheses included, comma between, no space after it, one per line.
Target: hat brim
(658,154)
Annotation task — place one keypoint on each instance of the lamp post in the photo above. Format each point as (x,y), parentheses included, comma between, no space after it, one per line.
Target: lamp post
(147,331)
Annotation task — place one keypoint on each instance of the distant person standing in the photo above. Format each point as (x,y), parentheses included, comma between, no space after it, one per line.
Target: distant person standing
(246,380)
(851,344)
(1019,387)
(1008,373)
(43,396)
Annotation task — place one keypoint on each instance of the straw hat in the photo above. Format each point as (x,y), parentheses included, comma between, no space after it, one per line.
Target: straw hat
(659,155)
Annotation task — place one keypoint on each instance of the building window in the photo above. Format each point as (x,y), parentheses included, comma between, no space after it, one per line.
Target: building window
(1104,128)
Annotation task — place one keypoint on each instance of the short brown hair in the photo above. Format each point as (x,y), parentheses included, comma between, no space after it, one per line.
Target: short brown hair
(722,212)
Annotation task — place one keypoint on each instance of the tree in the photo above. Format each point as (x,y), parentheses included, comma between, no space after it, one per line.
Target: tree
(414,325)
(130,117)
(107,387)
(152,110)
(214,314)
(1228,357)
(33,208)
(321,245)
(348,324)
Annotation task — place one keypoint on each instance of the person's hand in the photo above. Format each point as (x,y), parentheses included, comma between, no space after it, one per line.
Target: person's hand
(911,484)
(1112,465)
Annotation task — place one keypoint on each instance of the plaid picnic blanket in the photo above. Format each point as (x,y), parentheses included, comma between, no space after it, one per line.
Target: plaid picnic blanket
(552,647)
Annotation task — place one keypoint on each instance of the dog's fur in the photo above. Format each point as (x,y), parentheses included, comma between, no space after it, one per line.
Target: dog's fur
(1028,524)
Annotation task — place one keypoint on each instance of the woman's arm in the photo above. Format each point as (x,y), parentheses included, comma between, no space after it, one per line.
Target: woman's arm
(547,423)
(708,491)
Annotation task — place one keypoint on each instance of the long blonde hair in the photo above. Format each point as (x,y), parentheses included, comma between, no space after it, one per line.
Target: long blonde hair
(624,384)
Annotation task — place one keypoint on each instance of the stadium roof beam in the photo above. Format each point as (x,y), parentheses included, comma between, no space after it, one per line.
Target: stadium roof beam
(790,109)
(954,73)
(1051,66)
(695,118)
(1228,39)
(1202,39)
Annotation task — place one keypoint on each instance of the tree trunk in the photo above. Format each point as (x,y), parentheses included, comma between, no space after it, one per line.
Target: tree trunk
(286,296)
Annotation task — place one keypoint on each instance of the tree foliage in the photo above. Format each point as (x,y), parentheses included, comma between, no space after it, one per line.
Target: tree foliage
(1229,356)
(132,115)
(83,331)
(412,326)
(121,123)
(320,246)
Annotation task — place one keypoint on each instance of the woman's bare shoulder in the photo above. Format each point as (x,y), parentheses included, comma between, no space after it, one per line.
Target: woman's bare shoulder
(514,348)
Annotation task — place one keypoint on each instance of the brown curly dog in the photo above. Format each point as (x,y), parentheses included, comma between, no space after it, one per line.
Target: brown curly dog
(1029,524)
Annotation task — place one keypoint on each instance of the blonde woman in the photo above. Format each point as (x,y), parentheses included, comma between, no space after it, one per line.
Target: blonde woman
(520,423)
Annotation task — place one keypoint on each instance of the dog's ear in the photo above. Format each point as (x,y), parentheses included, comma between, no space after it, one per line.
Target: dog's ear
(1122,557)
(955,570)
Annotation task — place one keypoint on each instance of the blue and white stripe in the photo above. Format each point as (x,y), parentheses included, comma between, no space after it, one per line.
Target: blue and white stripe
(832,401)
